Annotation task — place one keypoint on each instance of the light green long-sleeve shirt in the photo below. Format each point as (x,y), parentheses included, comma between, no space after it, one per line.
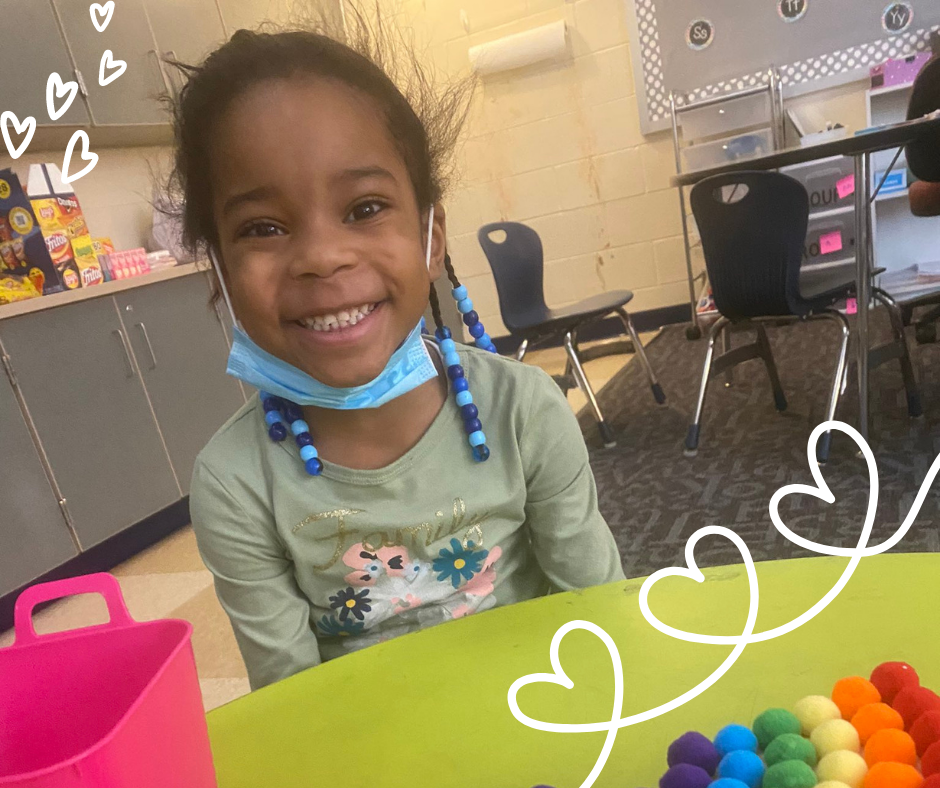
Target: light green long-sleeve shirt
(311,568)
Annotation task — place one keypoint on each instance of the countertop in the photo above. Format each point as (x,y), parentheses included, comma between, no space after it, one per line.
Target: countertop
(97,291)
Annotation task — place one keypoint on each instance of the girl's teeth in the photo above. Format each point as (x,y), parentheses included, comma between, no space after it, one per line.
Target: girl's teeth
(341,320)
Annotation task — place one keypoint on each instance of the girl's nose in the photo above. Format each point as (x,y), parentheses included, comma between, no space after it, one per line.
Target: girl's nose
(322,250)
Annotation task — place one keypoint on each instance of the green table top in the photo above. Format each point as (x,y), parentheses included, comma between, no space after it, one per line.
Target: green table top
(430,709)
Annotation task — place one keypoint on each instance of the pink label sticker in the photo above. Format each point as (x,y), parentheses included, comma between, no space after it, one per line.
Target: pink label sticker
(851,306)
(830,242)
(846,186)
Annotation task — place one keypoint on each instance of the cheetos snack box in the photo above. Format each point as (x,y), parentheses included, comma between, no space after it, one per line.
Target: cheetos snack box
(24,254)
(55,204)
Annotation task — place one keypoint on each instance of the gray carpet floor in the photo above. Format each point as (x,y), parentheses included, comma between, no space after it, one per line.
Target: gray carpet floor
(654,497)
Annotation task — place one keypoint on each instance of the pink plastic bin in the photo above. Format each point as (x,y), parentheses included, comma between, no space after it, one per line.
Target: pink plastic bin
(109,706)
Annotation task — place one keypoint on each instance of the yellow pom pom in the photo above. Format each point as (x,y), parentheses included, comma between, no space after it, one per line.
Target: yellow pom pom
(835,735)
(843,766)
(813,710)
(831,784)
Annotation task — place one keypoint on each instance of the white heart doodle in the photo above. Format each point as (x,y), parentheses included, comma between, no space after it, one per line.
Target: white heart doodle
(90,157)
(27,127)
(820,491)
(56,88)
(108,61)
(106,11)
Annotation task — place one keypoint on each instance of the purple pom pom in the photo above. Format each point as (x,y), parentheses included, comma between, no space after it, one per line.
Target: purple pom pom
(685,775)
(695,749)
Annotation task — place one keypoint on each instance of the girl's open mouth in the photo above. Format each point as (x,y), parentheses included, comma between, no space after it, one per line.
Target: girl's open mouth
(345,325)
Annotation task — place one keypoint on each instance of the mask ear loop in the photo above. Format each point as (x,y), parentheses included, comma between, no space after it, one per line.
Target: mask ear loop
(225,295)
(430,236)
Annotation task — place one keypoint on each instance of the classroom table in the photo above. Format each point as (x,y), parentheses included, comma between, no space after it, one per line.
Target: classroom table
(860,147)
(430,709)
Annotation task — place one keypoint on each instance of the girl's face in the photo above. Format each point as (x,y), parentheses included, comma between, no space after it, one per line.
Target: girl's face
(321,239)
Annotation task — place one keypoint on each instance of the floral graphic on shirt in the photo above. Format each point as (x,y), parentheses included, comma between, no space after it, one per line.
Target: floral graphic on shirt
(329,625)
(458,563)
(388,584)
(349,601)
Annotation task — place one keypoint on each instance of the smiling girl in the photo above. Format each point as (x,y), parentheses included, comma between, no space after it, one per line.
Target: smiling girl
(358,497)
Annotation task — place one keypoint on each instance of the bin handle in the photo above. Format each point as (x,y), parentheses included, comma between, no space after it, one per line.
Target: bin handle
(101,583)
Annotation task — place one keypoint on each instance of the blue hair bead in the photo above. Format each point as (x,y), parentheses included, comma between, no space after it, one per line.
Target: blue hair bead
(451,359)
(481,453)
(472,425)
(469,411)
(292,413)
(471,318)
(448,346)
(477,438)
(464,306)
(313,466)
(459,293)
(304,439)
(277,432)
(460,384)
(299,426)
(464,398)
(454,372)
(270,403)
(443,333)
(492,349)
(272,417)
(484,341)
(477,330)
(307,453)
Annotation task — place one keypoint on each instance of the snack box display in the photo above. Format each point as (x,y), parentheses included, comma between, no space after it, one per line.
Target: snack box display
(26,267)
(63,225)
(123,265)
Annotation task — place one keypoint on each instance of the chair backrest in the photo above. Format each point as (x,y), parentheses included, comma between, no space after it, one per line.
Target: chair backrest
(923,156)
(753,229)
(514,252)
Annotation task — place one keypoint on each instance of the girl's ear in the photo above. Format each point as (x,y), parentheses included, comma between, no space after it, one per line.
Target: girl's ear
(438,242)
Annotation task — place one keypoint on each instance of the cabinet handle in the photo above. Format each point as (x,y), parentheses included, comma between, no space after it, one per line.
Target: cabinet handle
(127,351)
(146,336)
(160,72)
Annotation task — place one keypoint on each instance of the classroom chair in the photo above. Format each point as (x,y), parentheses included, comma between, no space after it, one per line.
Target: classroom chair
(923,159)
(753,227)
(514,252)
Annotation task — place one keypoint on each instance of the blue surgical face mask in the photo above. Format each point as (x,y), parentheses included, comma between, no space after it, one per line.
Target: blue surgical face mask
(410,366)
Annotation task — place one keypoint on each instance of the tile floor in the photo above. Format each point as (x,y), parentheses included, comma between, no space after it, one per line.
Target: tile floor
(170,581)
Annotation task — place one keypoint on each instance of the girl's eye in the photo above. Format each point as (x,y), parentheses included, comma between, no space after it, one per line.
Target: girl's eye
(365,210)
(260,230)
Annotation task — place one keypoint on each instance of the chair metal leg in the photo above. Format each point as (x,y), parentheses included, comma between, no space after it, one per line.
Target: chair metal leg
(640,351)
(520,353)
(725,348)
(839,381)
(692,438)
(763,344)
(607,434)
(914,407)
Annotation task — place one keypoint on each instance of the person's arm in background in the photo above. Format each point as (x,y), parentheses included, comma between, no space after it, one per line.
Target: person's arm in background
(572,542)
(925,198)
(254,581)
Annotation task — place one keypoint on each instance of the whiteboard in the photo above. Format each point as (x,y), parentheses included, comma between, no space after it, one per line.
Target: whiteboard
(827,42)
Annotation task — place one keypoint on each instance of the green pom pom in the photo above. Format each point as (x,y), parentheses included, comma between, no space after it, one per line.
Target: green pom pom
(773,723)
(790,747)
(790,774)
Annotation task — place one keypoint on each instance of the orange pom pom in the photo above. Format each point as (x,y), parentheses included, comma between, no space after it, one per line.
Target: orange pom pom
(926,730)
(893,775)
(874,717)
(852,693)
(889,745)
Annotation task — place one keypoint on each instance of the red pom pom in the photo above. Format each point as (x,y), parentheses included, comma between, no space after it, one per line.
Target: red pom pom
(926,730)
(930,760)
(914,701)
(891,677)
(931,782)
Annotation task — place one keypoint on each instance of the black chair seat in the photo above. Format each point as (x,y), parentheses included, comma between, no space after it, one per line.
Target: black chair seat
(550,321)
(822,287)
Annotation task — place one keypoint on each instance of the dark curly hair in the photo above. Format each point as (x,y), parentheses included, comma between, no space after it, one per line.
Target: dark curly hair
(361,50)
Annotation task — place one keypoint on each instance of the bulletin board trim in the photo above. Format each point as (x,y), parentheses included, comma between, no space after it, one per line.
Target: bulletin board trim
(802,76)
